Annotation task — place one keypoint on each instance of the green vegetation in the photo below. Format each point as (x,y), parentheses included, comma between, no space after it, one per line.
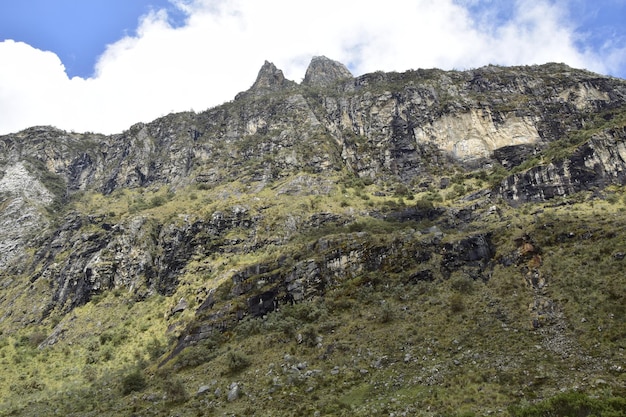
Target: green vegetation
(134,381)
(377,342)
(271,280)
(574,404)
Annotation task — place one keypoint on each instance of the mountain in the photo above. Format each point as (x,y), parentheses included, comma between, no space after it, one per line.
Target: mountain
(421,243)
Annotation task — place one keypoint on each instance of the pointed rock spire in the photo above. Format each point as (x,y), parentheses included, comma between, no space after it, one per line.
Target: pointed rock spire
(269,77)
(322,72)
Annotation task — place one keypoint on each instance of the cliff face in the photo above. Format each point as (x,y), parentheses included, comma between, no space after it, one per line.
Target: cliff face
(24,198)
(299,192)
(391,126)
(596,164)
(407,128)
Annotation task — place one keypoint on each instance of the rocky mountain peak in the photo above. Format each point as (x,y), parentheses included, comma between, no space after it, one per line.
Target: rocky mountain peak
(270,78)
(323,71)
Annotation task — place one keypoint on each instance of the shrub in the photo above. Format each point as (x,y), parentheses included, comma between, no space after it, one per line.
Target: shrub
(612,198)
(155,349)
(107,353)
(175,390)
(464,285)
(401,190)
(458,189)
(308,311)
(573,404)
(309,336)
(36,338)
(237,362)
(116,337)
(281,323)
(133,382)
(456,303)
(433,196)
(157,201)
(424,204)
(90,373)
(91,357)
(203,352)
(386,313)
(497,174)
(249,326)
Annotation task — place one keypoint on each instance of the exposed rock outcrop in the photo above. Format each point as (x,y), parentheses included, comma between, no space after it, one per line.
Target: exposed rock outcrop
(270,78)
(266,287)
(599,162)
(475,134)
(384,128)
(23,199)
(324,72)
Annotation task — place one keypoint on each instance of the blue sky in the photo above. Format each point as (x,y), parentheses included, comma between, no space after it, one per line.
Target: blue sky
(102,65)
(76,30)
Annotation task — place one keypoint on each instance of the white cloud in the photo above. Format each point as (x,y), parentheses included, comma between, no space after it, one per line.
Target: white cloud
(28,84)
(219,50)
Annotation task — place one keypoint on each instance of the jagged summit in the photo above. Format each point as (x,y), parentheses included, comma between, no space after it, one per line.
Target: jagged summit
(323,71)
(270,78)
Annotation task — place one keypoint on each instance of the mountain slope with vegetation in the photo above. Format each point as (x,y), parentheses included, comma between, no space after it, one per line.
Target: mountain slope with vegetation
(425,243)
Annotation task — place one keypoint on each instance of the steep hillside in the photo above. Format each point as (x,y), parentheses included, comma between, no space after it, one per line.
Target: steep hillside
(426,243)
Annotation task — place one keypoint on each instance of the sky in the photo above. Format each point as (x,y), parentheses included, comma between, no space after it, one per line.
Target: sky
(104,65)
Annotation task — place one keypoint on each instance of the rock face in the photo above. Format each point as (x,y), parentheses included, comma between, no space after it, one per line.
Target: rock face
(270,78)
(380,126)
(140,255)
(324,72)
(403,129)
(599,162)
(475,134)
(22,198)
(337,260)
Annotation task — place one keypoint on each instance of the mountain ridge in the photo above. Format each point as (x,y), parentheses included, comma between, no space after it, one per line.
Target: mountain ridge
(309,218)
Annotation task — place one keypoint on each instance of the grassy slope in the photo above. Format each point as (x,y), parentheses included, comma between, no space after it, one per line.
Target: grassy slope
(375,344)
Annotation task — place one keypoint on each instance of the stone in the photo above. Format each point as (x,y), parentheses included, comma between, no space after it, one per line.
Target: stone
(477,134)
(234,391)
(409,127)
(435,230)
(180,306)
(203,390)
